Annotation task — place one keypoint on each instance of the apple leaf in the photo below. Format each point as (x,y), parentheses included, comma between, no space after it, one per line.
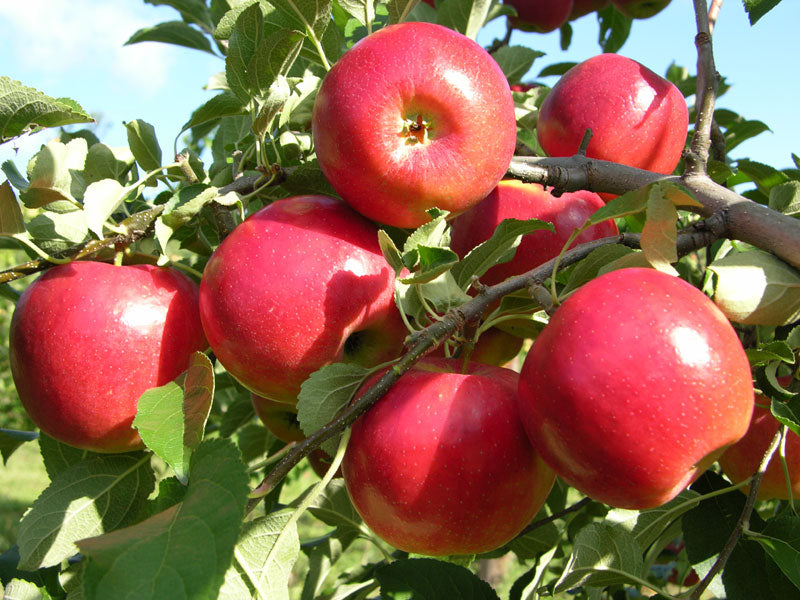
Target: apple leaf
(660,233)
(776,350)
(780,538)
(103,162)
(390,251)
(602,555)
(185,204)
(308,178)
(430,579)
(263,559)
(76,505)
(238,413)
(171,419)
(324,394)
(11,220)
(221,105)
(497,249)
(515,61)
(433,261)
(333,507)
(170,492)
(465,16)
(758,8)
(10,440)
(13,175)
(589,267)
(143,143)
(54,175)
(788,413)
(399,9)
(434,233)
(756,288)
(273,101)
(58,457)
(767,379)
(614,29)
(102,198)
(24,109)
(185,550)
(21,589)
(173,32)
(362,10)
(785,198)
(536,542)
(441,293)
(254,441)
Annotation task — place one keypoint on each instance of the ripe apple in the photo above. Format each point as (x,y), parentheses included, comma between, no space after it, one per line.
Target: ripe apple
(741,460)
(298,285)
(637,118)
(441,464)
(636,385)
(584,7)
(640,9)
(540,15)
(414,116)
(88,338)
(515,199)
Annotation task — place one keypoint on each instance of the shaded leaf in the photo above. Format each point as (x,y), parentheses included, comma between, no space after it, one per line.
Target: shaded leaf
(143,143)
(429,579)
(54,175)
(614,29)
(172,32)
(58,457)
(221,105)
(785,198)
(589,267)
(758,8)
(465,16)
(10,440)
(11,220)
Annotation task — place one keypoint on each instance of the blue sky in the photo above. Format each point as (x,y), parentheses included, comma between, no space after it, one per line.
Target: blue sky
(75,48)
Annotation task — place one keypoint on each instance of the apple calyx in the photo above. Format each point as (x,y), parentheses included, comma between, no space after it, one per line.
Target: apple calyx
(416,131)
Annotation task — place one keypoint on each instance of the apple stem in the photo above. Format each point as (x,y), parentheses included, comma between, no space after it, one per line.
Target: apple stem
(587,137)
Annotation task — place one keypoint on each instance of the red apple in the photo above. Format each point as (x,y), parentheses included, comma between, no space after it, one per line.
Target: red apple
(584,7)
(640,9)
(280,418)
(298,285)
(514,199)
(540,15)
(636,385)
(637,118)
(88,338)
(441,464)
(414,116)
(741,460)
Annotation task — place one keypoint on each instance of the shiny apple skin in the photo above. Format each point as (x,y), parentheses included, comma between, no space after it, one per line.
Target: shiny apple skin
(637,118)
(584,7)
(283,293)
(541,16)
(88,338)
(635,387)
(513,199)
(379,87)
(441,465)
(742,459)
(640,9)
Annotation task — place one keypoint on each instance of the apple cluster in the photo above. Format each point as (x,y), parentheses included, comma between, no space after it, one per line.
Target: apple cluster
(636,385)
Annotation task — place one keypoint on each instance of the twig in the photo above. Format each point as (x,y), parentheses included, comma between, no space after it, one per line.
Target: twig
(743,522)
(697,236)
(713,14)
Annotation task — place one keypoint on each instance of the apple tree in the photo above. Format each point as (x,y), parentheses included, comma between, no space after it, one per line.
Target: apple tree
(316,349)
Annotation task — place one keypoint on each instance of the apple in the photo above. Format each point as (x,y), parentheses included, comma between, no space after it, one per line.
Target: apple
(742,459)
(636,385)
(640,9)
(584,7)
(88,338)
(414,116)
(637,118)
(280,418)
(494,347)
(441,465)
(298,285)
(541,16)
(515,199)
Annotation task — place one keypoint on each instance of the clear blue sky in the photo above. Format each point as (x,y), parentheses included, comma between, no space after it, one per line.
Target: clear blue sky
(75,48)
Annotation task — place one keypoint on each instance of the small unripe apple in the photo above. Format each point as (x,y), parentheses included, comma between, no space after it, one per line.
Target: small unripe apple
(584,7)
(640,9)
(298,285)
(742,459)
(636,385)
(541,16)
(441,465)
(637,118)
(514,199)
(88,338)
(414,116)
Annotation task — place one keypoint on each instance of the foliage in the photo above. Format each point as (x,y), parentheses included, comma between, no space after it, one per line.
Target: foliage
(176,520)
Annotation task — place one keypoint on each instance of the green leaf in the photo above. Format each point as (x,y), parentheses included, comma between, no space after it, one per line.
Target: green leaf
(144,144)
(390,251)
(785,198)
(333,507)
(273,103)
(764,176)
(21,589)
(324,394)
(602,555)
(184,551)
(101,200)
(239,413)
(399,9)
(78,503)
(756,288)
(58,457)
(465,16)
(54,174)
(11,220)
(103,162)
(10,440)
(24,109)
(776,350)
(660,233)
(171,419)
(497,249)
(781,540)
(362,10)
(13,175)
(173,32)
(743,130)
(308,178)
(646,526)
(221,105)
(614,29)
(433,261)
(788,413)
(185,204)
(556,69)
(589,267)
(429,579)
(758,8)
(515,61)
(629,203)
(536,542)
(192,11)
(442,293)
(263,559)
